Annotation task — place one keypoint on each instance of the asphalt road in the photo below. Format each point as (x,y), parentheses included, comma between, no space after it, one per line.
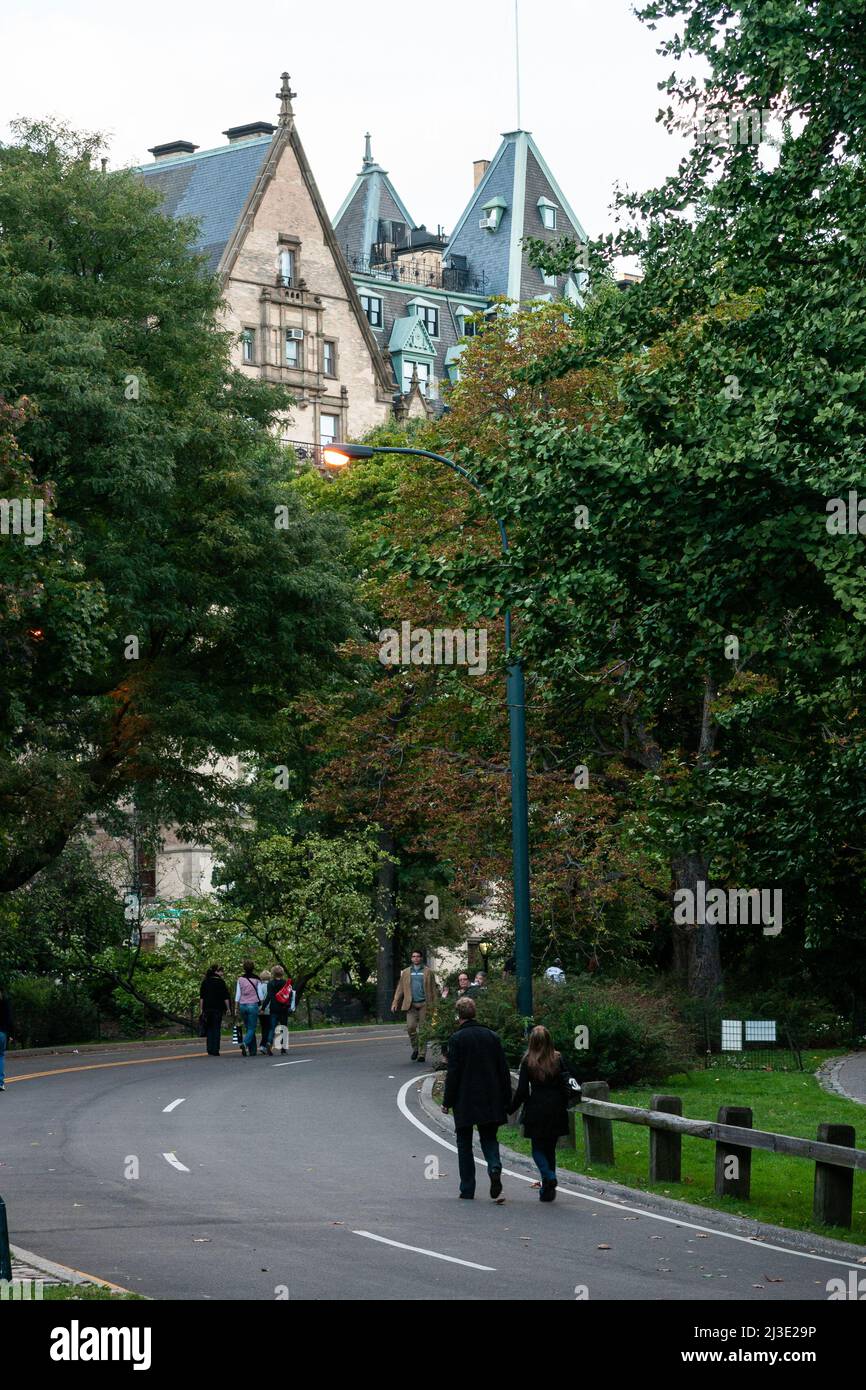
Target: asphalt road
(305,1181)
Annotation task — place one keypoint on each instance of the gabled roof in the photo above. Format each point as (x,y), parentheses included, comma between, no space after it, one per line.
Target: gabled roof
(212,186)
(371,197)
(410,335)
(519,181)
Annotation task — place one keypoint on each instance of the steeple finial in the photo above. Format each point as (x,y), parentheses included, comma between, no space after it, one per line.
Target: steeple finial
(285,95)
(368,153)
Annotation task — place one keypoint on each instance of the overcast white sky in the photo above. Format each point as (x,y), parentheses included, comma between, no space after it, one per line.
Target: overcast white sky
(433,83)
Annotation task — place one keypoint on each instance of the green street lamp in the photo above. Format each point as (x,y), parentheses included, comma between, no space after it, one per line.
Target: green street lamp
(337,456)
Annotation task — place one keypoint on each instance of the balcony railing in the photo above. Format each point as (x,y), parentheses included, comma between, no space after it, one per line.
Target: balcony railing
(307,453)
(408,272)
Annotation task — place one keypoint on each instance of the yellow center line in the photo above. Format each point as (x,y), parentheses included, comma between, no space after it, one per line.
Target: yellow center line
(178,1057)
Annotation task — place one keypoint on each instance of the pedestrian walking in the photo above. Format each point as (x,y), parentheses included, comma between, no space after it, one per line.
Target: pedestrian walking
(545,1087)
(247,998)
(5,1033)
(214,1003)
(478,1090)
(281,997)
(265,1012)
(415,993)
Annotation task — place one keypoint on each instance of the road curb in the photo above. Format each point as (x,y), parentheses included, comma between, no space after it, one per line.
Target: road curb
(710,1217)
(827,1077)
(65,1274)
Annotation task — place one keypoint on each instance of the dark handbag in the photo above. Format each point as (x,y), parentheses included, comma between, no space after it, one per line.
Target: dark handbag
(202,1025)
(569,1086)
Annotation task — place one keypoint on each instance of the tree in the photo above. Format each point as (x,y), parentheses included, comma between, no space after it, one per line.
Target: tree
(672,569)
(182,592)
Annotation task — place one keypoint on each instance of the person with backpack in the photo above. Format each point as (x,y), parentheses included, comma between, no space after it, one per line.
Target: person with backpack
(282,1001)
(545,1087)
(478,1090)
(5,1033)
(265,1012)
(248,998)
(214,1003)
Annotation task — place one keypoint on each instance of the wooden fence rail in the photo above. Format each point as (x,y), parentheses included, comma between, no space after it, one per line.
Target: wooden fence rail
(833,1151)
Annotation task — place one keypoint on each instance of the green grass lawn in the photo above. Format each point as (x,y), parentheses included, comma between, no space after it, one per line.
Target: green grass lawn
(785,1102)
(88,1293)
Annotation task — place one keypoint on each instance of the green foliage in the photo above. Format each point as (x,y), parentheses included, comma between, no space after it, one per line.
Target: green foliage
(46,1013)
(633,1032)
(162,474)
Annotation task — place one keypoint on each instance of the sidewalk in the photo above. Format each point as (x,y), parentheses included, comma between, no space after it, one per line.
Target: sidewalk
(845,1076)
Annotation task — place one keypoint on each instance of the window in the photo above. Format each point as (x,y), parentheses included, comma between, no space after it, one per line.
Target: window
(293,350)
(423,369)
(372,306)
(329,426)
(466,325)
(329,357)
(287,269)
(548,217)
(430,319)
(248,345)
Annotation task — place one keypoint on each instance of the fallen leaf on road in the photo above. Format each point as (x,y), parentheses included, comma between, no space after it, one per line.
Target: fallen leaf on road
(602,1247)
(703,1237)
(759,1286)
(862,1260)
(656,1237)
(772,1279)
(201,1240)
(631,1218)
(338,1223)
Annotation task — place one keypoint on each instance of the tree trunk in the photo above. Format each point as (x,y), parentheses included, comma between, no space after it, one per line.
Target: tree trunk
(698,945)
(386,913)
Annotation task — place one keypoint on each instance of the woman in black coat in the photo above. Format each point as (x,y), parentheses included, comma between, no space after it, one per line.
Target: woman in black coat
(544,1088)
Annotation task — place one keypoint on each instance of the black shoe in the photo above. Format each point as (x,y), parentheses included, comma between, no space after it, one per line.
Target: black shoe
(496,1183)
(548,1191)
(467,1196)
(415,1054)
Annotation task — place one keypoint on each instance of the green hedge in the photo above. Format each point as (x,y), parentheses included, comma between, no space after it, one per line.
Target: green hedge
(634,1033)
(45,1013)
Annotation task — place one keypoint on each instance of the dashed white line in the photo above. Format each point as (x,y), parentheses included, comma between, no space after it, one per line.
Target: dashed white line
(175,1162)
(419,1250)
(621,1206)
(175,1103)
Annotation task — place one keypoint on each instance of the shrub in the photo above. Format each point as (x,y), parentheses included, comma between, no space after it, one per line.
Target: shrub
(46,1013)
(633,1033)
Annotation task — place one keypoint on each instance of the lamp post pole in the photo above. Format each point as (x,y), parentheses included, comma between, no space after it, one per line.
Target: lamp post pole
(342,454)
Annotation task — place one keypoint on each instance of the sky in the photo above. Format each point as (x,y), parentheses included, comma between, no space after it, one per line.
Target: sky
(435,85)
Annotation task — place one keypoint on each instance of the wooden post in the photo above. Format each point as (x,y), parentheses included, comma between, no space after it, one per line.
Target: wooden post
(597,1134)
(834,1186)
(568,1141)
(738,1182)
(665,1149)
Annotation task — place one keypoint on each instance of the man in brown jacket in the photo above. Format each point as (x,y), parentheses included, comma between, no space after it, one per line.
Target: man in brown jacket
(415,993)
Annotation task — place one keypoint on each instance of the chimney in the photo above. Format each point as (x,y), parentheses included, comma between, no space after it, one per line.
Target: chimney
(172,149)
(253,131)
(479,169)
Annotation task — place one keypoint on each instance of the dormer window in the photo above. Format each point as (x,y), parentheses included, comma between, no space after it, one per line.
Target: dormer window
(427,313)
(493,210)
(466,325)
(547,212)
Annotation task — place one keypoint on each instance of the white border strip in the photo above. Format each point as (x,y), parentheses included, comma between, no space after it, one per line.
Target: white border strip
(419,1250)
(175,1162)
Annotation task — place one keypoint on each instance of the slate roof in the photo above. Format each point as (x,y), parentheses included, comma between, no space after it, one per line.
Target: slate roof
(371,197)
(212,186)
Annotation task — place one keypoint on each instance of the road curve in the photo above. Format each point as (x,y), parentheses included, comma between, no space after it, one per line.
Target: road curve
(182,1176)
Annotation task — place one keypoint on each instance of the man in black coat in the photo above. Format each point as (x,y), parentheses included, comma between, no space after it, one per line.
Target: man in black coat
(478,1090)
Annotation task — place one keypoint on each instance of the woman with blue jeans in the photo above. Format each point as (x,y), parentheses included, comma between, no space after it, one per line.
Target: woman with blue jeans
(248,995)
(544,1088)
(5,1031)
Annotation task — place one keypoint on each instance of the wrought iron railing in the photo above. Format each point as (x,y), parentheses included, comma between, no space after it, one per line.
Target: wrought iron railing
(307,453)
(409,272)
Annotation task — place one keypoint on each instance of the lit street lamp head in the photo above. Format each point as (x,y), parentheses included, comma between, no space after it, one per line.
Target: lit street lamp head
(339,455)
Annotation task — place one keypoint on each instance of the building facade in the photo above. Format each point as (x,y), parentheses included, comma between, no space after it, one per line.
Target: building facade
(290,302)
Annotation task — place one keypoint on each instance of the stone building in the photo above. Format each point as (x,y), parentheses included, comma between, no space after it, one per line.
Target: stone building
(289,298)
(421,290)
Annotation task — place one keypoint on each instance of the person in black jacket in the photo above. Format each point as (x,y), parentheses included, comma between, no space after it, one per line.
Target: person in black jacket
(478,1090)
(5,1034)
(544,1088)
(214,1001)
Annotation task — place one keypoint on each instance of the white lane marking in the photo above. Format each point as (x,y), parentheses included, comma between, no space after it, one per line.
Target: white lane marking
(175,1162)
(293,1064)
(419,1250)
(620,1206)
(175,1103)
